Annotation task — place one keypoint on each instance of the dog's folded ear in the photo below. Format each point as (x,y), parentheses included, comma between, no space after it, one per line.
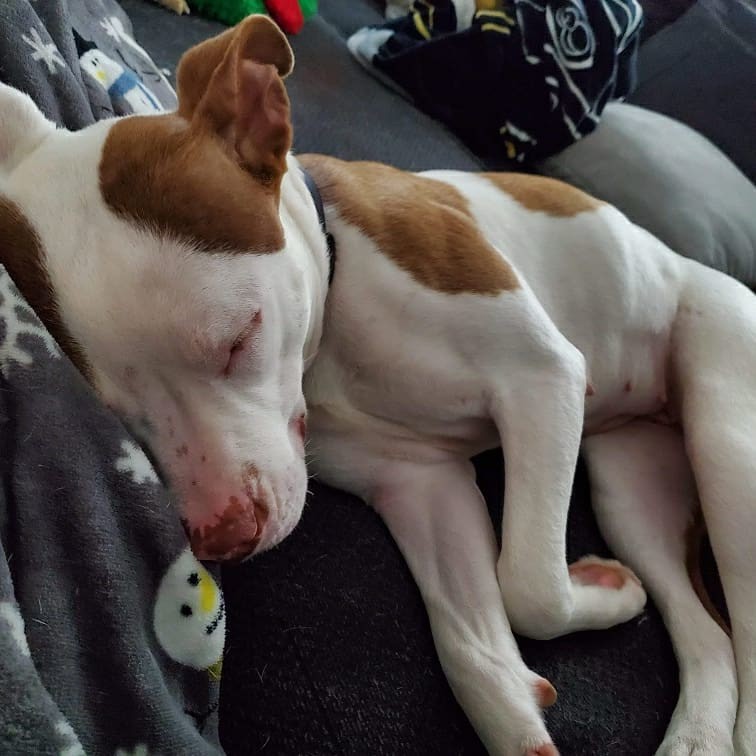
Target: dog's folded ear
(233,84)
(22,127)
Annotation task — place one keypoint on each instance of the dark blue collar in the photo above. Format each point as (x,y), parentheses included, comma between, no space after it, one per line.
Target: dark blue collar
(318,200)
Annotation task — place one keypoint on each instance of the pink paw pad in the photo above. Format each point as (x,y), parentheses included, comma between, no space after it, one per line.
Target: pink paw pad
(547,749)
(546,694)
(605,573)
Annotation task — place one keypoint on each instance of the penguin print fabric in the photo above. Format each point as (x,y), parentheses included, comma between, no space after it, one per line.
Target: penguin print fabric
(79,60)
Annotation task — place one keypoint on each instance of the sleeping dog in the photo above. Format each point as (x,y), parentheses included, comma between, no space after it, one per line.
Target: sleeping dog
(180,261)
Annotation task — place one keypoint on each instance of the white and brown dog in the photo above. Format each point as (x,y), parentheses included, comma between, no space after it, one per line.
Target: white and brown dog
(180,262)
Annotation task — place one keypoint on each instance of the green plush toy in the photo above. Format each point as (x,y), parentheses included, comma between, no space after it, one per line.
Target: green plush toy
(288,14)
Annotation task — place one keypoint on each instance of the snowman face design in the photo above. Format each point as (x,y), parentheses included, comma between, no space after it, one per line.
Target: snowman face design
(190,615)
(101,67)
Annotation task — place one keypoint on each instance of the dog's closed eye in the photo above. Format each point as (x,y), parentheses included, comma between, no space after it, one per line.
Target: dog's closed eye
(239,346)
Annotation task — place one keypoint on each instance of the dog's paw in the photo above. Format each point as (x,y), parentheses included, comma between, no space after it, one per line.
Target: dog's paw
(605,573)
(605,593)
(537,747)
(545,692)
(745,733)
(546,749)
(698,741)
(599,594)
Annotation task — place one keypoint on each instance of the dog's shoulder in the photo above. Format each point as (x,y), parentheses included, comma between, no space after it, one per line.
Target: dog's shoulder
(424,225)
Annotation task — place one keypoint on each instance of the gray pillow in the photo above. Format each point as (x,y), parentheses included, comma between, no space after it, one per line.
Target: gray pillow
(702,71)
(670,180)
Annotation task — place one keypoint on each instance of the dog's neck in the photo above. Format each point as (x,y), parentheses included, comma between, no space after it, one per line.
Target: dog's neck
(300,219)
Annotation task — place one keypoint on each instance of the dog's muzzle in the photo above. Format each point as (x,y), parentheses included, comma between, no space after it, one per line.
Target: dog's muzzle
(234,536)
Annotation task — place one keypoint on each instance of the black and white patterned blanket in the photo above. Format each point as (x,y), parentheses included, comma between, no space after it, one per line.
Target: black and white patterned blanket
(520,80)
(111,632)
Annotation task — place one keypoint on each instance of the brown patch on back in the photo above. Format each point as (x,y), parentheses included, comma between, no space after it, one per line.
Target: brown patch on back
(23,257)
(181,180)
(423,225)
(545,195)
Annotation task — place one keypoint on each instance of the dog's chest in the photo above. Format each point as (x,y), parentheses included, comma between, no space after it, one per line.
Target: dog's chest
(389,361)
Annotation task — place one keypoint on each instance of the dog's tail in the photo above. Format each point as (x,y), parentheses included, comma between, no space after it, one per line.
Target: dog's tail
(694,539)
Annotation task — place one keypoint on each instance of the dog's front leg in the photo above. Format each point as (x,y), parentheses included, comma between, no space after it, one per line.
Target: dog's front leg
(440,522)
(539,415)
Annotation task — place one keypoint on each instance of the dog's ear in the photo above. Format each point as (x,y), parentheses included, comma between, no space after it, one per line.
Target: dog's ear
(22,127)
(233,84)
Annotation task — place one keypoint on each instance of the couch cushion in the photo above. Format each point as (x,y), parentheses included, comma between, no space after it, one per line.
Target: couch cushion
(339,109)
(702,71)
(670,180)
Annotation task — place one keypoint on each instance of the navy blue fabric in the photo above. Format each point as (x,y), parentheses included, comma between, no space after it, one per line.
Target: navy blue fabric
(521,82)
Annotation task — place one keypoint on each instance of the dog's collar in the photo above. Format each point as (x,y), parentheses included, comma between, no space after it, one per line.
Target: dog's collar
(320,209)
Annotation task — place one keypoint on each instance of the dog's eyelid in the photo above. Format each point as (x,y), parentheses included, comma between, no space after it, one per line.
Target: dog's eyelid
(241,342)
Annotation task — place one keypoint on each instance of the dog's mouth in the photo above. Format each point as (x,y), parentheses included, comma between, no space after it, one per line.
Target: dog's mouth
(234,536)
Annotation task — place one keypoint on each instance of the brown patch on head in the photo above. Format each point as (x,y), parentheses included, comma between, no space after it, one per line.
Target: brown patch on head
(23,257)
(233,85)
(211,174)
(168,177)
(423,225)
(196,67)
(262,41)
(545,195)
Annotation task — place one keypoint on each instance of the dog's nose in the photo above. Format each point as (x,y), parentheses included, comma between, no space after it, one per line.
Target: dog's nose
(234,535)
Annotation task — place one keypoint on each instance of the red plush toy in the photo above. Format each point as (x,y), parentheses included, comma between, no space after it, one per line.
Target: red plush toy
(290,15)
(287,14)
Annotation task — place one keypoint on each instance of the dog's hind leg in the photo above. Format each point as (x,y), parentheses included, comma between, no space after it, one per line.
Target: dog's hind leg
(714,364)
(644,497)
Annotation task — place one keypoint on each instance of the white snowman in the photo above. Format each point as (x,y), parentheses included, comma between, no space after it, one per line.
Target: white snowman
(190,615)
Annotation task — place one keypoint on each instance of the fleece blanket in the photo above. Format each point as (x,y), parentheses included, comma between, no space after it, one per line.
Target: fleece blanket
(516,80)
(111,632)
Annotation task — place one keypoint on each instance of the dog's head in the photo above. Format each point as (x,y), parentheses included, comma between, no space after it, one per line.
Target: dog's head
(154,249)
